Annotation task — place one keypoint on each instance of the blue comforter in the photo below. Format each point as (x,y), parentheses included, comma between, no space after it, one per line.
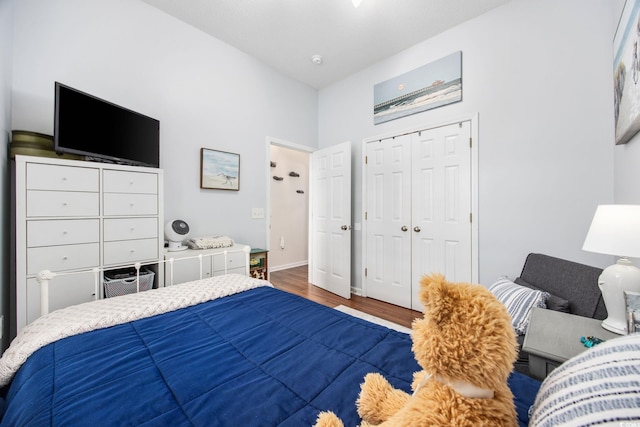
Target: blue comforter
(258,358)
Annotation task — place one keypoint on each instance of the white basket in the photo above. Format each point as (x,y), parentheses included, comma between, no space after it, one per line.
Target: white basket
(122,286)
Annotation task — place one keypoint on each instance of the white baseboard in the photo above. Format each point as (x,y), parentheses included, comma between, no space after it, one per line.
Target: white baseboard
(287,266)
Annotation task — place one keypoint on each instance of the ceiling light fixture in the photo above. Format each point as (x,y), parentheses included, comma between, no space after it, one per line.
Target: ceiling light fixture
(356,3)
(316,59)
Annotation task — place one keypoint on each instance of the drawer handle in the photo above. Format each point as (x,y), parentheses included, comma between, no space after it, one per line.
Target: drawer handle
(64,258)
(64,178)
(65,204)
(64,233)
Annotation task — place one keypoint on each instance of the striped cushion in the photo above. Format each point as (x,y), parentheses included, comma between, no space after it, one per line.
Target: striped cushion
(519,301)
(599,386)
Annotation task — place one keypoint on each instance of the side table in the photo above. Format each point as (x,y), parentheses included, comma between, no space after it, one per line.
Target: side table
(259,264)
(553,337)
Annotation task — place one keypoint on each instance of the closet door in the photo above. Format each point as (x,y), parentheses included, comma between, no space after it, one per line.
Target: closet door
(388,217)
(441,205)
(418,204)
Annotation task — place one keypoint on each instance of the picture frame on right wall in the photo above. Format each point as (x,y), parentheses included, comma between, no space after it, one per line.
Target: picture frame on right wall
(626,73)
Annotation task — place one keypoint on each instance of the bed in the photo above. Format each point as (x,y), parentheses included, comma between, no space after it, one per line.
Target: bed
(225,351)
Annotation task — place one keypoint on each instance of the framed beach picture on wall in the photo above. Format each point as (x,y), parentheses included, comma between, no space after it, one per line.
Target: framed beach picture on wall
(433,85)
(626,73)
(219,170)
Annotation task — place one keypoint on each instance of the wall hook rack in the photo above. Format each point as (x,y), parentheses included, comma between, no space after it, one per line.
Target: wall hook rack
(278,178)
(300,191)
(294,174)
(273,164)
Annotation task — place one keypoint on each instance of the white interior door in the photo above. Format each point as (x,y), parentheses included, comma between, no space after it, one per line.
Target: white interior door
(330,207)
(441,205)
(418,205)
(388,219)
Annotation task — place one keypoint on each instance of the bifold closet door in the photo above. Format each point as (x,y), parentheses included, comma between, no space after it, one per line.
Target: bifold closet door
(417,211)
(441,205)
(388,216)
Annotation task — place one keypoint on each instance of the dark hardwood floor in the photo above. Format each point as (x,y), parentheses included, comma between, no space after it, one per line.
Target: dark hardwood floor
(295,281)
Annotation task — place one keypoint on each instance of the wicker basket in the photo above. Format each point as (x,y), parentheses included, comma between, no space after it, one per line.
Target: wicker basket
(122,282)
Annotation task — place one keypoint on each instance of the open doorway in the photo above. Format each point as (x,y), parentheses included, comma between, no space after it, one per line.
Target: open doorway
(288,220)
(327,220)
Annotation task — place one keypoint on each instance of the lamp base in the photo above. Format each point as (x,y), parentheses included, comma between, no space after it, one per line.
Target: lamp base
(613,281)
(616,328)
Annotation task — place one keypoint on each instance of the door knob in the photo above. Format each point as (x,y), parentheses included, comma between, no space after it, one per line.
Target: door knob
(416,229)
(345,227)
(404,228)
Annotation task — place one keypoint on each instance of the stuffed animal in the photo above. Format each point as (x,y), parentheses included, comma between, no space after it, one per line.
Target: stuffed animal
(466,346)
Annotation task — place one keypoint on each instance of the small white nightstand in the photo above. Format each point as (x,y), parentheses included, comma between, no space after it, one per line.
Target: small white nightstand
(554,337)
(187,270)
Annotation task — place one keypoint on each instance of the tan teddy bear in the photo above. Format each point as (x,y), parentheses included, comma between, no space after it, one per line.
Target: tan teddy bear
(466,346)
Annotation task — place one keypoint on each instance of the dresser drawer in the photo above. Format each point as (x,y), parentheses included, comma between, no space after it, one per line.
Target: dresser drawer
(59,258)
(127,251)
(63,292)
(234,260)
(118,204)
(237,270)
(186,270)
(62,178)
(62,232)
(62,203)
(130,228)
(129,182)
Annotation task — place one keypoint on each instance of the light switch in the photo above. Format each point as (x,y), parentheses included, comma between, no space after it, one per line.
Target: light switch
(257,213)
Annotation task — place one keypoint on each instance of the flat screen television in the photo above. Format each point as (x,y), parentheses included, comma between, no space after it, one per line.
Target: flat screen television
(103,131)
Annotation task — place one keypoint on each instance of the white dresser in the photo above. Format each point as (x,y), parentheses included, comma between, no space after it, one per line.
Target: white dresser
(76,215)
(189,269)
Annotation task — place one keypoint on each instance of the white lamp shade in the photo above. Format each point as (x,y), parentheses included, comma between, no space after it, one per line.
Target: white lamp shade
(615,230)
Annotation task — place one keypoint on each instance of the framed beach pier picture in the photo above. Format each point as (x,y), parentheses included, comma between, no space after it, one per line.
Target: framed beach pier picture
(626,73)
(219,170)
(433,85)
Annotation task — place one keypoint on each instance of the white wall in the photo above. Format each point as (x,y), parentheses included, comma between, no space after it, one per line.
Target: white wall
(289,209)
(204,92)
(6,49)
(539,80)
(539,75)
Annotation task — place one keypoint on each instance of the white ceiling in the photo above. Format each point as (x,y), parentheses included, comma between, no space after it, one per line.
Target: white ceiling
(286,33)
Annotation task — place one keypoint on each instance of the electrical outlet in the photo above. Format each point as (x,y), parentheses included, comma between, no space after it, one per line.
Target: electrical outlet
(257,213)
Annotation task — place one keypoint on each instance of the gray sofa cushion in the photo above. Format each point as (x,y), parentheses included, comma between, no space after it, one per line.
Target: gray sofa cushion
(577,283)
(553,302)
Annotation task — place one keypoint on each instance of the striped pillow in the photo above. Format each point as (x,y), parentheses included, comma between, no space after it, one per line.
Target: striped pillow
(599,386)
(519,301)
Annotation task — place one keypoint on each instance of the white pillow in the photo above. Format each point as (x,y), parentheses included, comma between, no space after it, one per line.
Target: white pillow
(599,386)
(519,301)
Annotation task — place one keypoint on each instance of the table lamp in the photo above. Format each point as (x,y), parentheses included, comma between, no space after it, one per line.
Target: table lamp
(615,230)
